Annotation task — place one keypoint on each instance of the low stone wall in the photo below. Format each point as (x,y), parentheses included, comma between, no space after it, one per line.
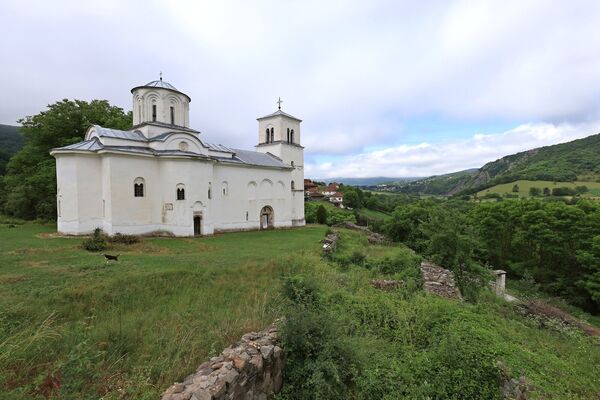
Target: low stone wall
(249,370)
(439,281)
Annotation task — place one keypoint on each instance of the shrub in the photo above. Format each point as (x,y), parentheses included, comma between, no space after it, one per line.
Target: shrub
(301,291)
(321,215)
(97,242)
(535,191)
(124,239)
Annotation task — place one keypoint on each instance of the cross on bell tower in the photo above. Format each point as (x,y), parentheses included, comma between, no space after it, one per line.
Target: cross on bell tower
(279,101)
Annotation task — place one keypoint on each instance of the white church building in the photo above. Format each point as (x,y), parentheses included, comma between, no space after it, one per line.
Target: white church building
(160,176)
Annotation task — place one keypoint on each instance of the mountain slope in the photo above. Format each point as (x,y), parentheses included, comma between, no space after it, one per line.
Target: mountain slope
(11,140)
(571,161)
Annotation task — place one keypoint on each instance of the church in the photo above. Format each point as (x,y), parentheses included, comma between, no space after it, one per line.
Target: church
(161,177)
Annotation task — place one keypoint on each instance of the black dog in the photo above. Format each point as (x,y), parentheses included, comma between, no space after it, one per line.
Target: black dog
(111,258)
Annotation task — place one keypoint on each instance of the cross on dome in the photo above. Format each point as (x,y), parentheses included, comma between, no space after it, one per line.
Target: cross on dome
(279,103)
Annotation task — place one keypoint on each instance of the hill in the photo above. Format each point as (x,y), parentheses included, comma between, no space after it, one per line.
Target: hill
(374,181)
(11,139)
(437,184)
(578,160)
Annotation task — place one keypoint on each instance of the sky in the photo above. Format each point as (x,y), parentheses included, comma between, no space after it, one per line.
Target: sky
(385,88)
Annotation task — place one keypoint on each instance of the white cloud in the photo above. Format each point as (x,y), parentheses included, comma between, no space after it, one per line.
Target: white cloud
(439,158)
(351,70)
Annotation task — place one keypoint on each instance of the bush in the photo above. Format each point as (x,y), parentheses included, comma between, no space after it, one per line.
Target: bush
(535,191)
(124,239)
(301,291)
(321,215)
(97,242)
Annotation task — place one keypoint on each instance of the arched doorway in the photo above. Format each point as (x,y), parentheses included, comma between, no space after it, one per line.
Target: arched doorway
(197,225)
(266,217)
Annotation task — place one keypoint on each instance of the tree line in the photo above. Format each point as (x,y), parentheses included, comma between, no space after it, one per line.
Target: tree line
(555,244)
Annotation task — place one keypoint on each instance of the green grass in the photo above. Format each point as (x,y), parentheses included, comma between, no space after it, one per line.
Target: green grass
(405,344)
(131,328)
(373,214)
(525,185)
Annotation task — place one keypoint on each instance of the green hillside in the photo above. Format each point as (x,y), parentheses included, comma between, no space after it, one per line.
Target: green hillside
(438,184)
(11,141)
(578,160)
(524,187)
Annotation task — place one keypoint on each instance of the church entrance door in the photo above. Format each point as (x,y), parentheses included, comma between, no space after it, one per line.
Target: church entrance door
(266,218)
(197,225)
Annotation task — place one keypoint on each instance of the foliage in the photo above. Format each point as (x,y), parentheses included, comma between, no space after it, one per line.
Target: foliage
(363,343)
(321,215)
(30,179)
(121,238)
(515,188)
(535,191)
(97,242)
(11,139)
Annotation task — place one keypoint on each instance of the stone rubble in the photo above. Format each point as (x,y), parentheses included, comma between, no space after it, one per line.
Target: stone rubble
(330,242)
(439,281)
(251,369)
(384,284)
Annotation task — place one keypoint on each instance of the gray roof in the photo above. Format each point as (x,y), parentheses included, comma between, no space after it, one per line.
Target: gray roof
(218,147)
(88,145)
(280,113)
(242,157)
(118,134)
(160,84)
(256,158)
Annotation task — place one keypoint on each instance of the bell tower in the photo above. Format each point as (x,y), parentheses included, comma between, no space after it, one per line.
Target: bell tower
(279,134)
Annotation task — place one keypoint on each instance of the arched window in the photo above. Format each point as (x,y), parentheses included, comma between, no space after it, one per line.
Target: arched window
(288,135)
(291,136)
(180,192)
(272,135)
(172,115)
(267,136)
(293,186)
(138,187)
(209,190)
(153,112)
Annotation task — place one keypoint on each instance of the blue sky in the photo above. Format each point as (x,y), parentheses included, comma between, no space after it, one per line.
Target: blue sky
(385,88)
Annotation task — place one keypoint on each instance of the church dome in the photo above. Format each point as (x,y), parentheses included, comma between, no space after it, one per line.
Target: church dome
(160,84)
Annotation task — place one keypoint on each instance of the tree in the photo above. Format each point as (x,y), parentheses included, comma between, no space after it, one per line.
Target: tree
(321,214)
(30,180)
(535,191)
(546,191)
(515,188)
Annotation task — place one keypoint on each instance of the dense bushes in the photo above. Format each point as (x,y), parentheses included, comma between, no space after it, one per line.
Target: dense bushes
(342,344)
(329,214)
(549,240)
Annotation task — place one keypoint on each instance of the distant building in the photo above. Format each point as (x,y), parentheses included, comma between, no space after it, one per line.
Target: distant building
(337,198)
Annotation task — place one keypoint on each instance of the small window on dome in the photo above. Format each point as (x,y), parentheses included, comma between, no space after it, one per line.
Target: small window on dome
(172,115)
(153,112)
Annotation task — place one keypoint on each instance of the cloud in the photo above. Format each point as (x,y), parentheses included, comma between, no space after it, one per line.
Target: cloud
(427,159)
(352,70)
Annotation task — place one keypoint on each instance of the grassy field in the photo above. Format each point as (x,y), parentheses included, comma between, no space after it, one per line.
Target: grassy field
(524,187)
(73,325)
